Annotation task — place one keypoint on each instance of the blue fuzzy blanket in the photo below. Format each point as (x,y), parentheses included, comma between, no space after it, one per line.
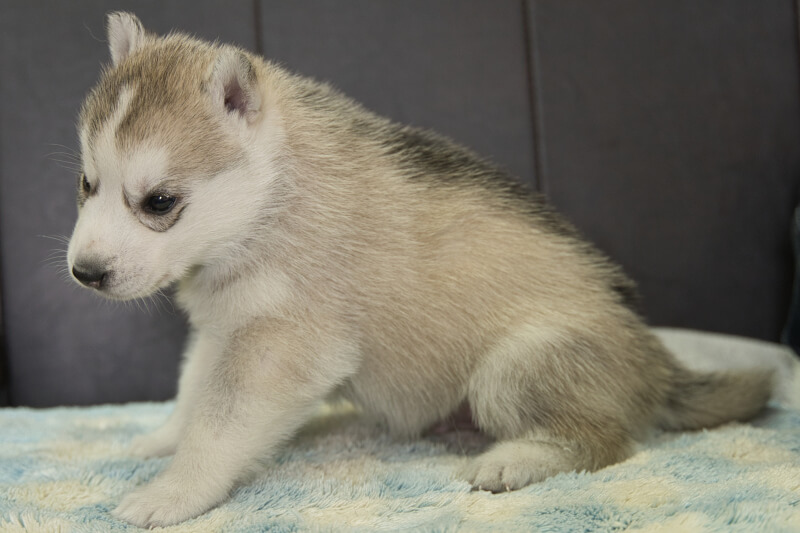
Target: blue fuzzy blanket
(64,469)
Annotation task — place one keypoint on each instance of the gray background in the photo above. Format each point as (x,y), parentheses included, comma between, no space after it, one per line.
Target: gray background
(667,131)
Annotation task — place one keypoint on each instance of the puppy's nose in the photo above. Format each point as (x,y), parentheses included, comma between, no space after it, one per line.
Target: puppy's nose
(90,275)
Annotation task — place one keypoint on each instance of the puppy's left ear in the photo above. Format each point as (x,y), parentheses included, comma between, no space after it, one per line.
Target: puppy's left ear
(234,86)
(125,34)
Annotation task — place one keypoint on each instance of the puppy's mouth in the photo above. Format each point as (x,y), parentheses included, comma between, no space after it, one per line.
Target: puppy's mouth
(114,286)
(121,292)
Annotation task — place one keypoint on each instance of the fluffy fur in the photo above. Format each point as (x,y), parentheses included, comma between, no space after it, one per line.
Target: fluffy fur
(322,251)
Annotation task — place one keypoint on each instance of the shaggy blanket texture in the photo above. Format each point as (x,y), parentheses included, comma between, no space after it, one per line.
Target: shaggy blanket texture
(64,469)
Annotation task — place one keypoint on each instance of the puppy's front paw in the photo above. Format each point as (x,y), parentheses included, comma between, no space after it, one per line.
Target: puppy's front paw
(156,444)
(164,502)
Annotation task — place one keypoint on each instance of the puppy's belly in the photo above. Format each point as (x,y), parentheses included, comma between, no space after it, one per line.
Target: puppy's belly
(458,420)
(406,411)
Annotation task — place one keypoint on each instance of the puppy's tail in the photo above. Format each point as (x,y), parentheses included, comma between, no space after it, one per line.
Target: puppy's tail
(699,400)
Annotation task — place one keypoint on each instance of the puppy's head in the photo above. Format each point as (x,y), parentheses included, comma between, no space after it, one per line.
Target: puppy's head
(169,166)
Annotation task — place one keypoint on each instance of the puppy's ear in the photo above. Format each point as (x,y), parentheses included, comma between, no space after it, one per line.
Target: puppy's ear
(234,85)
(125,34)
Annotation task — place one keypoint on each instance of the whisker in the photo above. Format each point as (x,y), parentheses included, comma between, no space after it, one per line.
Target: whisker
(159,296)
(68,167)
(146,306)
(59,238)
(64,146)
(57,262)
(150,299)
(96,38)
(57,252)
(68,155)
(65,162)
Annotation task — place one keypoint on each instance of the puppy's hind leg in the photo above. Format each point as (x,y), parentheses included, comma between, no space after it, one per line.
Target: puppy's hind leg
(549,401)
(514,463)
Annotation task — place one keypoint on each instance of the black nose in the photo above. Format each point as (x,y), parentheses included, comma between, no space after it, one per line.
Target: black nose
(90,275)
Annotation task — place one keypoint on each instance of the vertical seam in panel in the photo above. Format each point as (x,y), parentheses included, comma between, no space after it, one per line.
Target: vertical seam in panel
(796,6)
(532,69)
(257,21)
(5,381)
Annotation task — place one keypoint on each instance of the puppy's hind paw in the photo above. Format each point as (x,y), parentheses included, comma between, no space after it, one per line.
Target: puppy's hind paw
(512,465)
(495,475)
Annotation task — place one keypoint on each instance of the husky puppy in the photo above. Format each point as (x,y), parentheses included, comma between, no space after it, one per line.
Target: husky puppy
(320,250)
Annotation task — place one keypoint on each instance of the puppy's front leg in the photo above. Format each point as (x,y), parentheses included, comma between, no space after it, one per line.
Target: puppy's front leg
(262,388)
(201,354)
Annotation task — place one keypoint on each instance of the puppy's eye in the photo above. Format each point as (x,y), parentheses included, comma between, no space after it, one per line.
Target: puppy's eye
(85,186)
(160,204)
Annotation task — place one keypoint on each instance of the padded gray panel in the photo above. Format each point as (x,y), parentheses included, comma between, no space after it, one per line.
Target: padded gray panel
(671,136)
(66,346)
(456,66)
